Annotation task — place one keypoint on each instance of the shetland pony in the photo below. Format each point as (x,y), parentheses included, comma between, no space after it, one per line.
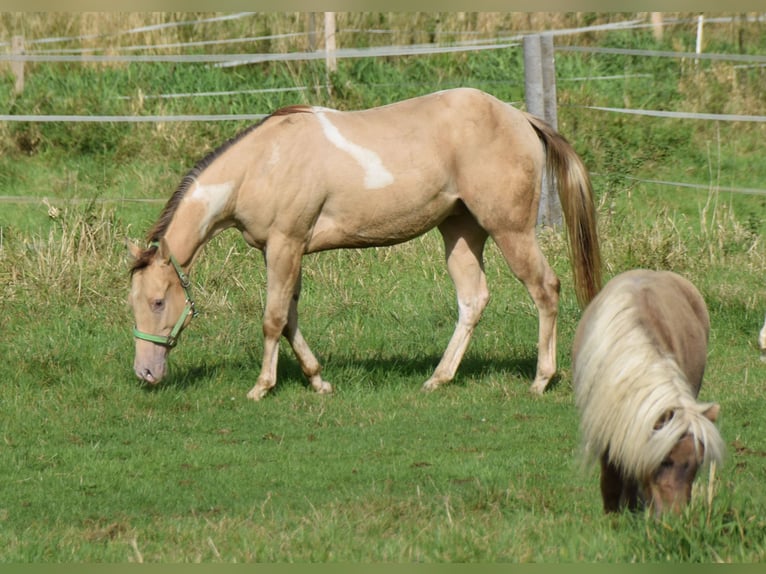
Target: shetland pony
(638,358)
(308,179)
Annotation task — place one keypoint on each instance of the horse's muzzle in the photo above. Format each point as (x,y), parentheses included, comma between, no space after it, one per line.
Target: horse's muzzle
(147,376)
(150,363)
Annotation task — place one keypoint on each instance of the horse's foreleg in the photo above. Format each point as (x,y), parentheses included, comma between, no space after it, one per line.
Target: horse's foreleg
(309,364)
(527,262)
(464,245)
(283,264)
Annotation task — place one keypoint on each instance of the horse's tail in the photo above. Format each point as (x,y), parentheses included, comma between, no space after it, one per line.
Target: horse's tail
(576,195)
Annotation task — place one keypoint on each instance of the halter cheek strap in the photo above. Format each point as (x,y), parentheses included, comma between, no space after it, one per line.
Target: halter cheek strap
(171,340)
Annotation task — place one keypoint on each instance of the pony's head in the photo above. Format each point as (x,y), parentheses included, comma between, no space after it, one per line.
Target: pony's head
(669,486)
(162,307)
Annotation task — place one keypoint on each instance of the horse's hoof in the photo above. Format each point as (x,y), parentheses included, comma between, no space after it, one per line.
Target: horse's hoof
(323,388)
(429,385)
(257,393)
(538,387)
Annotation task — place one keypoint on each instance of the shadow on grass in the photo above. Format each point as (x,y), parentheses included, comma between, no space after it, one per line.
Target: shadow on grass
(394,367)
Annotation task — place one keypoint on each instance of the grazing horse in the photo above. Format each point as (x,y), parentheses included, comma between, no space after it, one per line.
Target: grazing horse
(638,359)
(308,179)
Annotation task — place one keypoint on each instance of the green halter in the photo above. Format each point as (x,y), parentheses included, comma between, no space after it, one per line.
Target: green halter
(172,339)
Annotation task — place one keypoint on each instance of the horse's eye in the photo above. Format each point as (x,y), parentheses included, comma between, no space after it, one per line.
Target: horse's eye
(157,305)
(667,463)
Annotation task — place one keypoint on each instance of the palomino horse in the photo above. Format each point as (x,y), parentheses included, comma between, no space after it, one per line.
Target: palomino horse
(307,179)
(638,359)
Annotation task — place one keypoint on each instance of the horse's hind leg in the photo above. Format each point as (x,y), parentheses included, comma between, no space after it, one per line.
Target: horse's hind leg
(464,243)
(528,263)
(309,364)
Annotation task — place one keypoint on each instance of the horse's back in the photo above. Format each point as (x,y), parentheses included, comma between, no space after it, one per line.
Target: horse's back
(669,310)
(388,174)
(462,121)
(675,312)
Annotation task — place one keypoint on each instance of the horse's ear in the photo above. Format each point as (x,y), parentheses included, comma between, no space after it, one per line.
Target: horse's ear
(712,412)
(163,251)
(133,249)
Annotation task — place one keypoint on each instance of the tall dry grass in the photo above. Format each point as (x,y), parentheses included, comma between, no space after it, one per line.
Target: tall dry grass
(109,30)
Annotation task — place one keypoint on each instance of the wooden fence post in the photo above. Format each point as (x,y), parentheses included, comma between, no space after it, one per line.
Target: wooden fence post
(656,18)
(533,75)
(331,64)
(698,44)
(312,26)
(329,41)
(17,48)
(540,97)
(548,61)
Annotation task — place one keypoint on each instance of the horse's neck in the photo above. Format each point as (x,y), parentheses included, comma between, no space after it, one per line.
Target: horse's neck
(197,217)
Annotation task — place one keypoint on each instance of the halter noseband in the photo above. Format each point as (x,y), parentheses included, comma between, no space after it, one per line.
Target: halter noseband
(171,340)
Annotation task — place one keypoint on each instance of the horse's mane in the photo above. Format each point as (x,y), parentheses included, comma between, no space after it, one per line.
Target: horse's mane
(624,385)
(163,222)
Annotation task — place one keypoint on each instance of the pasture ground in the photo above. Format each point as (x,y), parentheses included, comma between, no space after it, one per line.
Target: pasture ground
(97,468)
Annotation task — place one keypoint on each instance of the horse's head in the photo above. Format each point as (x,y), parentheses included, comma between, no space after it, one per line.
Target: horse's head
(162,306)
(669,487)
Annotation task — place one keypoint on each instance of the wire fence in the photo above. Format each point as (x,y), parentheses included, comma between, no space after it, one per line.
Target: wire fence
(85,55)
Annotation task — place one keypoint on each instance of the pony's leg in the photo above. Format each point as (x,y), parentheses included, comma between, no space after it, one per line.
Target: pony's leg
(630,496)
(309,364)
(283,264)
(611,485)
(464,243)
(523,255)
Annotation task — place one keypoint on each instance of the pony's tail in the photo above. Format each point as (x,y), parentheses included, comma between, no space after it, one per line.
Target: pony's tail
(576,195)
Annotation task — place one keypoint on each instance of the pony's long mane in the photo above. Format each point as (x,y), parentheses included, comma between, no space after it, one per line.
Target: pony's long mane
(624,385)
(163,222)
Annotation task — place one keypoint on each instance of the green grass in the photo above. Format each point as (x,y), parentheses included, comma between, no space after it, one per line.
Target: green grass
(98,468)
(104,469)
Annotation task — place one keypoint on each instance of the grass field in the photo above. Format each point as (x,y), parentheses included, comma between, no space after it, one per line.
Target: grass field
(97,468)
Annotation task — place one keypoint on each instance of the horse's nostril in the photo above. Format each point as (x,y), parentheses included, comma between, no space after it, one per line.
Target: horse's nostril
(146,375)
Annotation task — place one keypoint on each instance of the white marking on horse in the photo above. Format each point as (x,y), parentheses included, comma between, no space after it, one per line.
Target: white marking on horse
(376,175)
(214,197)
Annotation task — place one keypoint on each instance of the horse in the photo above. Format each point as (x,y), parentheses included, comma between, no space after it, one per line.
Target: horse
(638,359)
(762,341)
(307,179)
